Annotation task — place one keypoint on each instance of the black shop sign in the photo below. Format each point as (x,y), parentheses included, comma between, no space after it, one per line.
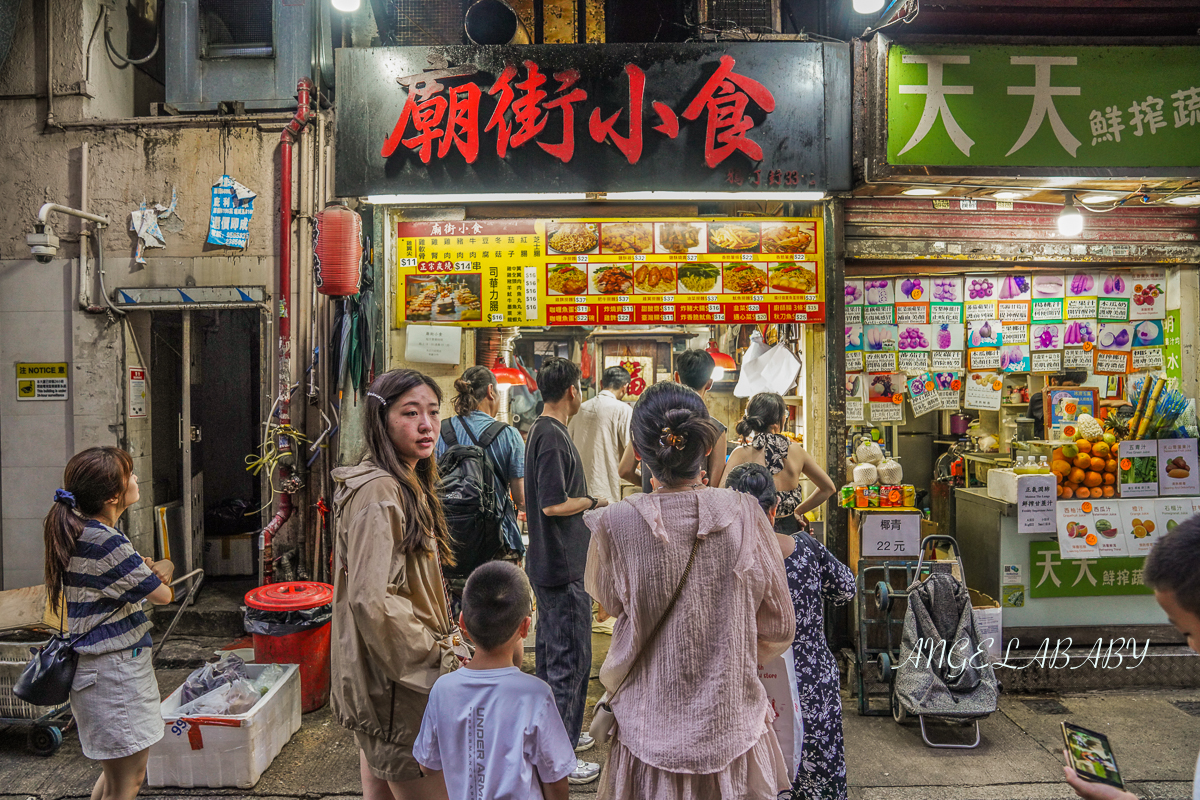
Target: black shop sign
(761,117)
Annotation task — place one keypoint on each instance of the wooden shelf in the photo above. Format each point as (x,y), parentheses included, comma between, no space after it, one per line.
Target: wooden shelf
(793,400)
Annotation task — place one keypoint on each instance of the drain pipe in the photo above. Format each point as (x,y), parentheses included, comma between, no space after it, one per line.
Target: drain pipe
(287,458)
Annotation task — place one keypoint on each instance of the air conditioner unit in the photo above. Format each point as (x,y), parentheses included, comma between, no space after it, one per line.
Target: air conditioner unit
(251,52)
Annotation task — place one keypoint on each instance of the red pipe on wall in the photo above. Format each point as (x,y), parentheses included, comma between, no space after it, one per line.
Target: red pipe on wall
(286,139)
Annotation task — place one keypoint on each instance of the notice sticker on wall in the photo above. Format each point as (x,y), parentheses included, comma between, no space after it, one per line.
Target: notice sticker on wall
(137,392)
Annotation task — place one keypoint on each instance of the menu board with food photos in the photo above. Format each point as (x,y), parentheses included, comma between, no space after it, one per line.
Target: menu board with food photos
(611,272)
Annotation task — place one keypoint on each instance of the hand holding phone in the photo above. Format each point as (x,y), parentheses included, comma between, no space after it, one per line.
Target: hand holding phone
(1091,766)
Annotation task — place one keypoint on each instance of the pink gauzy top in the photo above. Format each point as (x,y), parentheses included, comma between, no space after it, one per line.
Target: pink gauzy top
(693,702)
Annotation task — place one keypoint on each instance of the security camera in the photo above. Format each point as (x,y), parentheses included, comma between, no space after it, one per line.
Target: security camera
(43,244)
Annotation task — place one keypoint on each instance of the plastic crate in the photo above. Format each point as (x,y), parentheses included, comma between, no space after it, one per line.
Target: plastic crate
(231,750)
(13,658)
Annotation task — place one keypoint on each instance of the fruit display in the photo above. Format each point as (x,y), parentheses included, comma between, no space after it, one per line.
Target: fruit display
(1157,409)
(1014,286)
(981,289)
(1086,467)
(913,339)
(1143,295)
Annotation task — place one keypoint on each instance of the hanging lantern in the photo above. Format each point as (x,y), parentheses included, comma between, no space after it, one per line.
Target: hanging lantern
(337,250)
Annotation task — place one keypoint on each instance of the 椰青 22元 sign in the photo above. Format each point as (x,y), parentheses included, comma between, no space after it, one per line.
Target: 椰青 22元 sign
(575,118)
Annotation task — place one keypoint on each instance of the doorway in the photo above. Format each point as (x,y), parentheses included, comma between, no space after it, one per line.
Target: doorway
(206,380)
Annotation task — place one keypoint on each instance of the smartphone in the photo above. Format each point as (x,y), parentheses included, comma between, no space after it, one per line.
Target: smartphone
(1091,756)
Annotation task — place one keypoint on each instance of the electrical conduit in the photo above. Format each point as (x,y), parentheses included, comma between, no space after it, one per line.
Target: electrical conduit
(286,139)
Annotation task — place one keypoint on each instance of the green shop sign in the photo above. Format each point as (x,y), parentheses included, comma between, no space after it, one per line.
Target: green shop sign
(1044,106)
(1051,575)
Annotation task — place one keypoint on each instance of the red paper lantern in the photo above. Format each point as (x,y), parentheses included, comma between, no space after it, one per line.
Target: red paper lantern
(337,250)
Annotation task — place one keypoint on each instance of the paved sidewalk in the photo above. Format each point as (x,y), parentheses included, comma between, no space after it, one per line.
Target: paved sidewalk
(1154,732)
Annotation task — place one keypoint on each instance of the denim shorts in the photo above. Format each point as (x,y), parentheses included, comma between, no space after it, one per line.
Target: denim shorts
(115,702)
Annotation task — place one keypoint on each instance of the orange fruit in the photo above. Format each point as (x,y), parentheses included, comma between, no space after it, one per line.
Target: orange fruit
(1056,454)
(1100,450)
(1109,491)
(1109,479)
(1084,446)
(1110,465)
(1091,479)
(1149,525)
(1061,466)
(1097,464)
(1068,492)
(1083,461)
(1096,492)
(1060,490)
(1076,476)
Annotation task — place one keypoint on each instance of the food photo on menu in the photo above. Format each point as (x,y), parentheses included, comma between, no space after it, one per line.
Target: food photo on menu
(745,277)
(680,237)
(788,237)
(654,278)
(733,237)
(612,278)
(566,279)
(572,238)
(449,298)
(626,237)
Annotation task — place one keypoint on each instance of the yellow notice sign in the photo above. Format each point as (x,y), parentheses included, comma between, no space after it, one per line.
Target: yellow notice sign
(42,381)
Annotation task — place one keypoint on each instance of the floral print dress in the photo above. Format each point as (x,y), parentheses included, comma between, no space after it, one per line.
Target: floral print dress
(815,576)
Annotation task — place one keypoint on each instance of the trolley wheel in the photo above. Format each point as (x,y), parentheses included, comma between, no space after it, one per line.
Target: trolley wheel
(44,740)
(886,670)
(883,596)
(898,712)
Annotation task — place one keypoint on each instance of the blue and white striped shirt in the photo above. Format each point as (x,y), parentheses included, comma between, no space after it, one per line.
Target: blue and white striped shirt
(105,575)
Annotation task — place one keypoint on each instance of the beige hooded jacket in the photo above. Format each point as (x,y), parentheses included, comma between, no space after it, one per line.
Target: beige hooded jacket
(392,635)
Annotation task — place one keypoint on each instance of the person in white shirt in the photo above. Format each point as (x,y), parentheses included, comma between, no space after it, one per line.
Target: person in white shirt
(1173,571)
(601,433)
(490,730)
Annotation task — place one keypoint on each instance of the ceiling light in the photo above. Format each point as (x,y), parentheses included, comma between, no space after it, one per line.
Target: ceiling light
(867,6)
(507,376)
(1070,221)
(1008,195)
(1185,200)
(345,6)
(1099,198)
(433,199)
(923,192)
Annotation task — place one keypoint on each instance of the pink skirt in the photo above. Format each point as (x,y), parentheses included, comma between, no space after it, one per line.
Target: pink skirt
(760,773)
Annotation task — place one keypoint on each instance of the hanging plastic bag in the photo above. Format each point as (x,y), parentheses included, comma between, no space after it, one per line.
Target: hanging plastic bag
(751,371)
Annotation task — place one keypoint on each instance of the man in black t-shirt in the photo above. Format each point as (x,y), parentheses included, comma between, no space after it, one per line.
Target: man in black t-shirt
(555,498)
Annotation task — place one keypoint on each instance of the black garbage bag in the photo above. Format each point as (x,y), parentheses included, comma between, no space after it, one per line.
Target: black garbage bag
(229,517)
(281,623)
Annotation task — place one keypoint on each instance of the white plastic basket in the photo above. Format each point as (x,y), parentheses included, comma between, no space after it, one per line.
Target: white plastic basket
(231,750)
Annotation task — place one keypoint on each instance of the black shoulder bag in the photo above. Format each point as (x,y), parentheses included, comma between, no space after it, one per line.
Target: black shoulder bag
(46,679)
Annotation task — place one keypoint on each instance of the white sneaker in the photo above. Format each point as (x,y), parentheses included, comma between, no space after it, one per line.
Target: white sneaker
(586,742)
(585,772)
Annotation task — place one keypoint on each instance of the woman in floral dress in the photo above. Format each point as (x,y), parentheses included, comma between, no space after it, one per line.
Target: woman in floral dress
(814,576)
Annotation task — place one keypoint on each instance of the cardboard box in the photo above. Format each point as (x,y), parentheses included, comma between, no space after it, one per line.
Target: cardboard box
(1178,472)
(1138,459)
(230,555)
(231,750)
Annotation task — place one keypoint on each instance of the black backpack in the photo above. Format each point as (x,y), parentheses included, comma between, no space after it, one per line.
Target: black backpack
(474,510)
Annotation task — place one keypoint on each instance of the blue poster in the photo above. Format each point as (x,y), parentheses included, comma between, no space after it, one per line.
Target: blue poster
(229,217)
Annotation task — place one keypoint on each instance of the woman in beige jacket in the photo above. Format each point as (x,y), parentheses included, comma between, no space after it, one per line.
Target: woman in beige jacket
(391,621)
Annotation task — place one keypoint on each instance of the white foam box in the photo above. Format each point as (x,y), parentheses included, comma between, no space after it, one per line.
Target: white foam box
(231,750)
(1002,485)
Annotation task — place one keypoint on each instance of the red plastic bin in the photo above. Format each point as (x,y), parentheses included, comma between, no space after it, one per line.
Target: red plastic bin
(307,648)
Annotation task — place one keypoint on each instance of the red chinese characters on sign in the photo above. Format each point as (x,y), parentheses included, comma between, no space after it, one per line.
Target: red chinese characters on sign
(443,119)
(725,97)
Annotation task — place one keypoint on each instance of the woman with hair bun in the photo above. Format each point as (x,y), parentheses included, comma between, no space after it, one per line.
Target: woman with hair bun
(814,576)
(785,459)
(693,719)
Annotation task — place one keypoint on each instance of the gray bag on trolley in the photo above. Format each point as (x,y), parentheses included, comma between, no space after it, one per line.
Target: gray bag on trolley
(943,670)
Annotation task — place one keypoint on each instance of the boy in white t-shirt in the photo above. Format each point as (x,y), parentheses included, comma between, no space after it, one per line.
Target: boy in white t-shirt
(492,730)
(1173,570)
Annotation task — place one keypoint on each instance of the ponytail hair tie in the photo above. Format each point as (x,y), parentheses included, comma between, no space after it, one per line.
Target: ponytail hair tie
(64,497)
(671,439)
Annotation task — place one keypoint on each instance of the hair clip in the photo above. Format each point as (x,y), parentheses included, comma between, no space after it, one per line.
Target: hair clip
(64,497)
(672,439)
(380,398)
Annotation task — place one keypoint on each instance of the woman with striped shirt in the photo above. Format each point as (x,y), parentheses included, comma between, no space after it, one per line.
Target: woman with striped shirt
(114,697)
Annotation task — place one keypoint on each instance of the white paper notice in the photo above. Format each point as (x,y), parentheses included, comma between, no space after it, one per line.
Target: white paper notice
(1109,528)
(1140,518)
(983,391)
(1036,503)
(433,344)
(1077,530)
